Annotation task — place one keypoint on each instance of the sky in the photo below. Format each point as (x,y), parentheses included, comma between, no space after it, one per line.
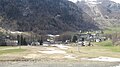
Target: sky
(118,1)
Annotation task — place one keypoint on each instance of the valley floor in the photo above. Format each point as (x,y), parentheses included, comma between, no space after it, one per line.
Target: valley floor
(59,56)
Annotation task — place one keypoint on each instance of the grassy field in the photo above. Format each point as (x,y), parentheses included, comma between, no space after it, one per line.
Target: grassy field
(105,49)
(108,45)
(99,49)
(90,52)
(10,50)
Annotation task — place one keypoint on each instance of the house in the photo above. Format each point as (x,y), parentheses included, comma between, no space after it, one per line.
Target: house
(11,42)
(51,38)
(84,37)
(91,37)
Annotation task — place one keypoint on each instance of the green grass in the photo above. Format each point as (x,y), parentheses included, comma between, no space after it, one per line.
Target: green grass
(104,43)
(11,51)
(114,48)
(3,47)
(108,45)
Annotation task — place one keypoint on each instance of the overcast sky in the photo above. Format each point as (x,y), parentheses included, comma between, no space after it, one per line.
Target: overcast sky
(118,1)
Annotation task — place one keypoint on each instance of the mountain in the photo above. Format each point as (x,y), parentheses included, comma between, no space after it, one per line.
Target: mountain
(105,13)
(43,16)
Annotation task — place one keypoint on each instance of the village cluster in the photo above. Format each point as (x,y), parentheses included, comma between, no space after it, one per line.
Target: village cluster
(83,39)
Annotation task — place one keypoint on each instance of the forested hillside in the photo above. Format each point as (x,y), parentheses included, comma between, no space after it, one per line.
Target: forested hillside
(43,16)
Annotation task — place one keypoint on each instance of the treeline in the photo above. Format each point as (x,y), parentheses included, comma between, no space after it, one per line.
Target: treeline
(23,41)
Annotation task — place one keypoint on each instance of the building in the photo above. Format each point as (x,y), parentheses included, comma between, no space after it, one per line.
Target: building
(11,42)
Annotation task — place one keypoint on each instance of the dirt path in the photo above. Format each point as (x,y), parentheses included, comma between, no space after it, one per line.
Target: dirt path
(57,64)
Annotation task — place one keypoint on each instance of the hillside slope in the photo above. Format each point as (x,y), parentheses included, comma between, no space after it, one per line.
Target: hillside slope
(105,13)
(43,16)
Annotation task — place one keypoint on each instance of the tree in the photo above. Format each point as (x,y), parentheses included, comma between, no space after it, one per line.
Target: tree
(116,39)
(24,41)
(74,39)
(65,36)
(21,40)
(40,41)
(18,39)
